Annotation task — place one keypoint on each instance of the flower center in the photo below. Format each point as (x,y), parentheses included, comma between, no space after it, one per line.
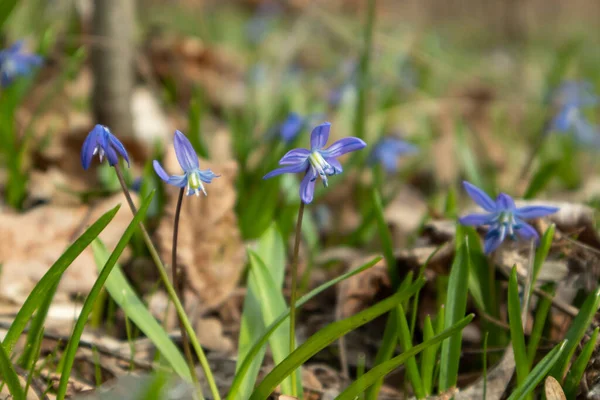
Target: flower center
(195,184)
(506,220)
(320,166)
(100,151)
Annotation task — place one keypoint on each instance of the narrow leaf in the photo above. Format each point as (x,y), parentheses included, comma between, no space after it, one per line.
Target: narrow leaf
(9,375)
(576,371)
(516,328)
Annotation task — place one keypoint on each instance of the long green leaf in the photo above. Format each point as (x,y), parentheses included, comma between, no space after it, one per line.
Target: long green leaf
(9,375)
(539,372)
(71,350)
(412,370)
(541,253)
(124,295)
(271,249)
(576,371)
(428,357)
(382,370)
(456,306)
(258,345)
(36,298)
(325,336)
(575,334)
(6,7)
(516,328)
(272,305)
(541,314)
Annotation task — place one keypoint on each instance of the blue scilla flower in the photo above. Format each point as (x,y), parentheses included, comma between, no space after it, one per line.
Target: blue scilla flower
(316,162)
(571,98)
(291,127)
(503,217)
(14,62)
(188,159)
(102,142)
(387,151)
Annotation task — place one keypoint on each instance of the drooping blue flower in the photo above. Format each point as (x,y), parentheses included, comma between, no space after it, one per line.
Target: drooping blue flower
(316,162)
(387,151)
(102,142)
(570,99)
(188,159)
(15,62)
(503,217)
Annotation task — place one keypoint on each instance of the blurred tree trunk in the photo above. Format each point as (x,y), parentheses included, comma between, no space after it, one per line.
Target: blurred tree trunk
(112,63)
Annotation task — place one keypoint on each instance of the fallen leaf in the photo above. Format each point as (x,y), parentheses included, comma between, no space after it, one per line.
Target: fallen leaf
(553,389)
(31,242)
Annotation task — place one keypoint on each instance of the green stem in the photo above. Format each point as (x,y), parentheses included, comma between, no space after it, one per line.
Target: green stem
(294,294)
(178,284)
(173,296)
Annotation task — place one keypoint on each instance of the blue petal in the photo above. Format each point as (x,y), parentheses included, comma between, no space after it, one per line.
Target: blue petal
(527,232)
(343,146)
(162,174)
(87,150)
(475,219)
(111,155)
(505,202)
(337,166)
(187,157)
(493,239)
(563,121)
(289,169)
(307,186)
(480,197)
(530,212)
(586,133)
(118,146)
(177,180)
(319,136)
(294,156)
(389,162)
(207,175)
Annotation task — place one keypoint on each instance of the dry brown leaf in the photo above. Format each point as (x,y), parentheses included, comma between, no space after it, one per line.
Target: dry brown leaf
(553,389)
(211,337)
(210,249)
(31,242)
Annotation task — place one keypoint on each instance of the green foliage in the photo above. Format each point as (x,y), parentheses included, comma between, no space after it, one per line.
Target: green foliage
(516,328)
(71,350)
(324,337)
(575,374)
(9,375)
(123,294)
(456,306)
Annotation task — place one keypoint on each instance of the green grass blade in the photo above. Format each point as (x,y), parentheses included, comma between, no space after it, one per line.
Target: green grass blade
(516,328)
(9,375)
(541,253)
(124,295)
(541,178)
(258,345)
(324,337)
(71,350)
(541,314)
(428,357)
(539,372)
(271,249)
(575,334)
(50,278)
(6,7)
(381,370)
(456,306)
(404,337)
(384,353)
(386,240)
(576,371)
(273,305)
(37,325)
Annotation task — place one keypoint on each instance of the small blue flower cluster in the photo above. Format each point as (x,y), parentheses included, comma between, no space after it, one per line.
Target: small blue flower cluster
(572,98)
(15,62)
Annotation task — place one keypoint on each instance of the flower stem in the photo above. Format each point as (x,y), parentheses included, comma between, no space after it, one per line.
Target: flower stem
(294,294)
(173,296)
(178,283)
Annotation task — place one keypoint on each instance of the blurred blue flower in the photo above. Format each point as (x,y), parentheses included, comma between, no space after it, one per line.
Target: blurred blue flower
(291,127)
(570,99)
(503,217)
(387,151)
(102,142)
(188,159)
(14,62)
(316,162)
